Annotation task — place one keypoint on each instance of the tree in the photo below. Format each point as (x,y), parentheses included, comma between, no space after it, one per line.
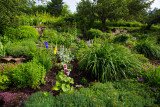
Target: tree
(55,7)
(9,9)
(153,18)
(85,14)
(138,9)
(110,9)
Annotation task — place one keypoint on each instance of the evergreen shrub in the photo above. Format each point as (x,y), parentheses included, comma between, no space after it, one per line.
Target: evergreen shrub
(92,33)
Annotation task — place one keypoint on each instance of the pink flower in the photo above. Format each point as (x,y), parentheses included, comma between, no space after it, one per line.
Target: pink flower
(65,70)
(138,79)
(65,66)
(65,75)
(137,75)
(154,89)
(141,79)
(2,68)
(134,69)
(145,69)
(68,73)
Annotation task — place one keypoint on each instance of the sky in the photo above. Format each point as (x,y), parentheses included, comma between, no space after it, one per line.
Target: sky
(73,3)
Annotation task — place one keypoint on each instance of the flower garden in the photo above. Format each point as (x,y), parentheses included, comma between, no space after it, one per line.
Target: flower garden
(65,68)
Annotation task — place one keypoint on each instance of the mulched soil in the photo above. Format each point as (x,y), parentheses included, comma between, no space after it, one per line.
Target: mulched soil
(50,79)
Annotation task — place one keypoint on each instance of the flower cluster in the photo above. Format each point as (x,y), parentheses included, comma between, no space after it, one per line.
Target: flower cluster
(12,98)
(67,71)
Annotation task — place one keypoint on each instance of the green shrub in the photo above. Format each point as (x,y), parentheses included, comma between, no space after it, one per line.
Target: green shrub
(21,32)
(83,81)
(4,82)
(25,48)
(121,38)
(40,99)
(105,62)
(158,40)
(28,74)
(108,95)
(92,33)
(2,50)
(149,49)
(44,57)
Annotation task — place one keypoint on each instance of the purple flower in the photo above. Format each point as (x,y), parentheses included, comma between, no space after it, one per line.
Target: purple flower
(138,79)
(141,79)
(137,75)
(147,66)
(149,84)
(134,69)
(145,69)
(154,89)
(2,68)
(124,77)
(153,74)
(46,44)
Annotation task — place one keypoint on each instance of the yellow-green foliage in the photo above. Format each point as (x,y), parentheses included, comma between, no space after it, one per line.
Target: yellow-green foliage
(21,32)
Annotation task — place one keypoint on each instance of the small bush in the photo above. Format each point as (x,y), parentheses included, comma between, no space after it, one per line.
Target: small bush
(40,99)
(149,49)
(107,62)
(44,57)
(121,38)
(28,74)
(92,33)
(22,48)
(21,32)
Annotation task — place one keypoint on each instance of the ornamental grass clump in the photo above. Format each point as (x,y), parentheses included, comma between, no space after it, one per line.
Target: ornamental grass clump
(148,48)
(109,62)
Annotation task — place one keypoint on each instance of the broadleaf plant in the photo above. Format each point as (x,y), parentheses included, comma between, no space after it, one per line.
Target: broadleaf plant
(63,81)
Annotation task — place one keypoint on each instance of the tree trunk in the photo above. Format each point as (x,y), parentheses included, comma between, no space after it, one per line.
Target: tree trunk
(103,24)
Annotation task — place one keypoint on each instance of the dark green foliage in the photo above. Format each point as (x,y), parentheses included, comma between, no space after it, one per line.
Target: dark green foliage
(20,32)
(106,62)
(158,40)
(28,74)
(92,33)
(121,38)
(110,94)
(149,49)
(55,7)
(40,99)
(83,81)
(25,48)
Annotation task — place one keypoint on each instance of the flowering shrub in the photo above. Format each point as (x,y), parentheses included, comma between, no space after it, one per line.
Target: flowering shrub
(12,98)
(63,83)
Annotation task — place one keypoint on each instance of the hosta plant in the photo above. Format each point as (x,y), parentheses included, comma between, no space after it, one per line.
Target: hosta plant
(63,81)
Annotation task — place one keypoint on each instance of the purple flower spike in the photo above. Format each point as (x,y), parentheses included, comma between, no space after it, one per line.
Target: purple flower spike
(141,79)
(134,69)
(154,89)
(46,44)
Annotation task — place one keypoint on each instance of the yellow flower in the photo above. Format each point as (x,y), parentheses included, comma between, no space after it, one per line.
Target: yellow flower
(55,50)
